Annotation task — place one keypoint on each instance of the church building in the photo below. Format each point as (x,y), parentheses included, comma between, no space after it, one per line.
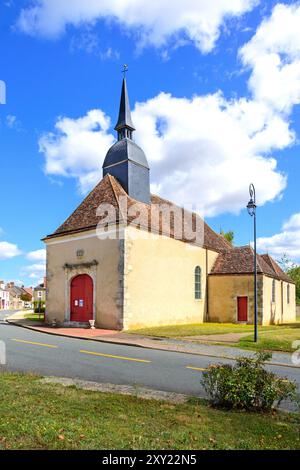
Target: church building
(126,258)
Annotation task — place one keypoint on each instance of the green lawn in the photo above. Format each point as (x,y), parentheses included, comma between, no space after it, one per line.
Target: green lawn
(34,317)
(279,339)
(47,416)
(196,329)
(274,337)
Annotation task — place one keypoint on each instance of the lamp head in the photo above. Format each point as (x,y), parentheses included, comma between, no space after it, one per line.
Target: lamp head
(251,207)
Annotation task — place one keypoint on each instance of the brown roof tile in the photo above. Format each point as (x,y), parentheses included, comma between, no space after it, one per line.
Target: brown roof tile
(109,191)
(239,260)
(276,268)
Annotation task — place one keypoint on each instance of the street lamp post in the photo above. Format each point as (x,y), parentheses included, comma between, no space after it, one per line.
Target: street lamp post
(251,207)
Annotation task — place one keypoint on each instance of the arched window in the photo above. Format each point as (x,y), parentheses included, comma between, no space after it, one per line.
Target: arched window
(273,290)
(198,287)
(288,293)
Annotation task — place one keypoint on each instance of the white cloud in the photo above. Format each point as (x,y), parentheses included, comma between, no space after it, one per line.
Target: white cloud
(206,150)
(19,282)
(34,271)
(203,150)
(273,54)
(11,121)
(77,147)
(37,255)
(8,250)
(88,41)
(154,22)
(285,242)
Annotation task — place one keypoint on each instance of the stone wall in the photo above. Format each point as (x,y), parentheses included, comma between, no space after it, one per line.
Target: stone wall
(159,287)
(280,311)
(223,293)
(99,258)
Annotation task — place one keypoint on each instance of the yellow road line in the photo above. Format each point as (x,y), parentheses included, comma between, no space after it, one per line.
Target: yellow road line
(113,357)
(195,368)
(35,344)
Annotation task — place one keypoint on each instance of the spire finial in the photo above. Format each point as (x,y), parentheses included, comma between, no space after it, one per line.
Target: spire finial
(124,126)
(124,70)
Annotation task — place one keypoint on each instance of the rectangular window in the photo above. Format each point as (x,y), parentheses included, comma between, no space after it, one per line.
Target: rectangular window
(273,291)
(288,294)
(198,289)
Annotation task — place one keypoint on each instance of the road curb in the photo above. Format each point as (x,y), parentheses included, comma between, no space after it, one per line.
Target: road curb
(136,345)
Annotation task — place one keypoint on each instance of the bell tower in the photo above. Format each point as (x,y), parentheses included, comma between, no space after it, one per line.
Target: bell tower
(125,160)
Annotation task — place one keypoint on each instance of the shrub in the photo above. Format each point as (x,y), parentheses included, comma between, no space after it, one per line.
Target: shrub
(247,385)
(39,306)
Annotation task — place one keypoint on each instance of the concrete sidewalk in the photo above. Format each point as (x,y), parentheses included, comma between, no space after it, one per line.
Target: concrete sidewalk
(166,344)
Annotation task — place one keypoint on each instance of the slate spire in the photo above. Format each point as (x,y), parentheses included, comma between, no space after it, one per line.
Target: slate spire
(124,126)
(125,160)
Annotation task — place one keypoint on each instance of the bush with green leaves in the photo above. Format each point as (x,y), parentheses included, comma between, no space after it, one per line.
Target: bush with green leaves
(39,306)
(247,385)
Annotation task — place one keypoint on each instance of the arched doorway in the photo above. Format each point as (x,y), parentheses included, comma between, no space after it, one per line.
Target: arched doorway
(81,298)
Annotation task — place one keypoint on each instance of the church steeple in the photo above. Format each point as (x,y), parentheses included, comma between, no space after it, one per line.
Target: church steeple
(124,126)
(125,160)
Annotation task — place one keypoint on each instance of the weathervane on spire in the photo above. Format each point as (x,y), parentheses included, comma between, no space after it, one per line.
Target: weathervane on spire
(125,70)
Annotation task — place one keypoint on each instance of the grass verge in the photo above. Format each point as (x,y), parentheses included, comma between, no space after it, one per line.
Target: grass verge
(280,339)
(47,416)
(274,337)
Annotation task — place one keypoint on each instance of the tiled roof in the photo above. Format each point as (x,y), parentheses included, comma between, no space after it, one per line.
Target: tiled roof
(109,191)
(40,287)
(272,263)
(239,260)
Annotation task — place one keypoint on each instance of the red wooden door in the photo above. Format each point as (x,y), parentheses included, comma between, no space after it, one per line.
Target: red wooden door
(82,298)
(242,308)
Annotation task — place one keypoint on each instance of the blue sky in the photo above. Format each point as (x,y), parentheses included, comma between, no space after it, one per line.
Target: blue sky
(214,93)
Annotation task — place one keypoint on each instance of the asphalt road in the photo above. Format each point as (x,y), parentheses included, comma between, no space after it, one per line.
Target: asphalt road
(27,350)
(7,313)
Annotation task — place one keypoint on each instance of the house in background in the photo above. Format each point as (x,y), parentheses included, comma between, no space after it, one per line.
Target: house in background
(28,296)
(4,297)
(39,292)
(20,297)
(15,296)
(148,276)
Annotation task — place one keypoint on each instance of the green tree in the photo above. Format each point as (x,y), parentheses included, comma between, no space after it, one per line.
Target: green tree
(294,274)
(26,297)
(228,235)
(285,263)
(293,271)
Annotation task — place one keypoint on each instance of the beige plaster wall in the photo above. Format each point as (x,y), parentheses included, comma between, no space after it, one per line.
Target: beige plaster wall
(159,280)
(224,290)
(279,311)
(107,276)
(223,293)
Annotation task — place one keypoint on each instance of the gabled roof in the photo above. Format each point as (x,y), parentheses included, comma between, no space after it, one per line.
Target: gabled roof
(29,290)
(239,260)
(15,290)
(109,191)
(40,287)
(276,268)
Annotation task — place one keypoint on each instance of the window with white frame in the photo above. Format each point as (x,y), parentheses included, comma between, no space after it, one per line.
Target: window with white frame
(288,293)
(198,286)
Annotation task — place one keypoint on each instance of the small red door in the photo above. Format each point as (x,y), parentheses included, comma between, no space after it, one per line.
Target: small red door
(242,308)
(82,298)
